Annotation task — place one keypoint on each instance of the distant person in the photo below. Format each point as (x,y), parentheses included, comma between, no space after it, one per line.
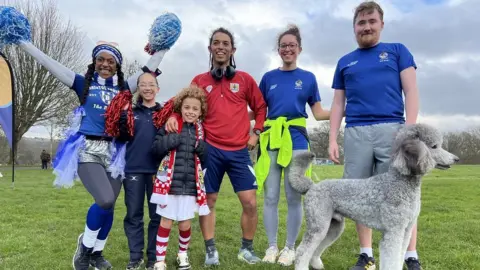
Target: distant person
(45,158)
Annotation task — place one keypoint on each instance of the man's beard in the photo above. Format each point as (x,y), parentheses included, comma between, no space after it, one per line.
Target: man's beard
(367,40)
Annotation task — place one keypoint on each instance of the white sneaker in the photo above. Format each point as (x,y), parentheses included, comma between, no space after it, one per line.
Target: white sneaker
(270,255)
(287,257)
(160,266)
(182,261)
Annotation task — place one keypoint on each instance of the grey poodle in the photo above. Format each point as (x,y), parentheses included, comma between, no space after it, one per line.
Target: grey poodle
(388,202)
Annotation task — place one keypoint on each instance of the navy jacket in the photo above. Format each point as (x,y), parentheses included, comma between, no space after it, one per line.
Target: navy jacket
(183,179)
(139,157)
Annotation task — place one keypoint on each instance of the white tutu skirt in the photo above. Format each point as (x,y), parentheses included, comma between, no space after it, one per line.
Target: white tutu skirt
(179,207)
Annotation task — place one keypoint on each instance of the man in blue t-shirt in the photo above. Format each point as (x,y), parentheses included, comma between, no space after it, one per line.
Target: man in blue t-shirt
(371,79)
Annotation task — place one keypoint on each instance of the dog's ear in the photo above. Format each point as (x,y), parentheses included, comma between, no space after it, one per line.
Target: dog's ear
(412,157)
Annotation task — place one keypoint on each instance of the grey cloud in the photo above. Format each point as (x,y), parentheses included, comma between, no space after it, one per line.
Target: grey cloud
(439,30)
(431,33)
(447,92)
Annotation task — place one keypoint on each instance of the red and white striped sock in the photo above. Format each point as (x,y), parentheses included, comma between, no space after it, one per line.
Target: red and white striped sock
(183,240)
(162,243)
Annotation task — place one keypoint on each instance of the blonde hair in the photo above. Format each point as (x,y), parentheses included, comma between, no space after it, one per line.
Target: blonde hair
(192,91)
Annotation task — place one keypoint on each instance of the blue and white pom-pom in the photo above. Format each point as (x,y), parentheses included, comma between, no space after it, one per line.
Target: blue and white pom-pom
(14,26)
(165,31)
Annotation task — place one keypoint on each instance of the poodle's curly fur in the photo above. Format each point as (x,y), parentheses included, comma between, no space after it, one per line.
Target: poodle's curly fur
(388,202)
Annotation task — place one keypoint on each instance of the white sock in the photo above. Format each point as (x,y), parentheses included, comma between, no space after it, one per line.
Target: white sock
(90,237)
(368,251)
(411,254)
(99,245)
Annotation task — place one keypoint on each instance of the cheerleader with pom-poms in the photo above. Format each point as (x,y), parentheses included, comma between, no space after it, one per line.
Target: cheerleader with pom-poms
(90,151)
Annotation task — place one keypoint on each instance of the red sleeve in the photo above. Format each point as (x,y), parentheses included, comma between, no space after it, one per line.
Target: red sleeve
(256,103)
(195,81)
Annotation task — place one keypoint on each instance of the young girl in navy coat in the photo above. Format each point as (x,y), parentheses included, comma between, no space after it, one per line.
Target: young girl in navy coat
(140,169)
(179,191)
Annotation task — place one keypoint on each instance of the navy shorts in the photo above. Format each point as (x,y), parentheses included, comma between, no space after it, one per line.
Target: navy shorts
(236,164)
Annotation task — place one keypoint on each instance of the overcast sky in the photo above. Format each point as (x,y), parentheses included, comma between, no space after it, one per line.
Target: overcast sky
(439,33)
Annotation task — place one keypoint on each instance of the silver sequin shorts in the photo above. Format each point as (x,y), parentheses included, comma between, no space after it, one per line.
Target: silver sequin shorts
(96,151)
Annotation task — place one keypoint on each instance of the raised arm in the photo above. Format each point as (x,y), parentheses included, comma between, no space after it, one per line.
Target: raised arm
(152,65)
(62,73)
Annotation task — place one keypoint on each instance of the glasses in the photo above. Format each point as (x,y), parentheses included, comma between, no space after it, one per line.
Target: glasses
(147,85)
(291,46)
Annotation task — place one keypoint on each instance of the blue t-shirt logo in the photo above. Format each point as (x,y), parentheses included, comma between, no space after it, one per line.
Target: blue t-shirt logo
(383,57)
(298,84)
(107,97)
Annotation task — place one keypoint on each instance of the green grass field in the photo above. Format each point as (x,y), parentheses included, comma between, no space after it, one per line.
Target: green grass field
(39,225)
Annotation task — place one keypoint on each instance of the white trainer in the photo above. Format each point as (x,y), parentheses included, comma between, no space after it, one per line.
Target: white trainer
(270,255)
(287,257)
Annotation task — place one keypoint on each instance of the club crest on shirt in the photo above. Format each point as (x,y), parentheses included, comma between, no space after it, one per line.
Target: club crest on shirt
(383,57)
(298,84)
(209,88)
(234,87)
(106,96)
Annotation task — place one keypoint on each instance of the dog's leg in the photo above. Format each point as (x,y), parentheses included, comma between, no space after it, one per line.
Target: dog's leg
(311,239)
(391,250)
(317,225)
(336,228)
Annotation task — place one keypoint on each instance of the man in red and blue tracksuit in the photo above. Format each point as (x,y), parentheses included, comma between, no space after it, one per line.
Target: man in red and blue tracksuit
(227,132)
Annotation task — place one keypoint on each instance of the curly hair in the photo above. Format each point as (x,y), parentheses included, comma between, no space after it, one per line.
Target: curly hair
(192,91)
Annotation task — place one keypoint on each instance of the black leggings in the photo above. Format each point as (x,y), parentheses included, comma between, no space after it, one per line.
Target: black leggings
(100,184)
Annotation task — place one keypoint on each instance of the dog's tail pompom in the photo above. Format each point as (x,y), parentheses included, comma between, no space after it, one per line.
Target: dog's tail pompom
(164,33)
(299,166)
(14,26)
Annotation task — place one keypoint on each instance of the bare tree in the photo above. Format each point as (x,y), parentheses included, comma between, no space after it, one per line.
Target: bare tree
(319,140)
(130,67)
(39,95)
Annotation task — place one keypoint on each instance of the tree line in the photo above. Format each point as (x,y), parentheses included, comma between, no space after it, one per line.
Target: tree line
(464,144)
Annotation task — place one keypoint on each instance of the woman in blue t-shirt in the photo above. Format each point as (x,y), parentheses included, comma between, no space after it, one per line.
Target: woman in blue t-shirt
(88,151)
(287,90)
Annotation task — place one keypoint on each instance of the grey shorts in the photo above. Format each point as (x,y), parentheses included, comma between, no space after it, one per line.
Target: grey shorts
(367,149)
(96,151)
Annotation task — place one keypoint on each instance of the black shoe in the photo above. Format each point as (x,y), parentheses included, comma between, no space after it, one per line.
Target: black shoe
(413,264)
(99,262)
(135,265)
(150,265)
(81,258)
(364,263)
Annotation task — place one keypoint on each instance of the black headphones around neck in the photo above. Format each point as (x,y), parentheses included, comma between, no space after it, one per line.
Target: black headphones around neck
(218,73)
